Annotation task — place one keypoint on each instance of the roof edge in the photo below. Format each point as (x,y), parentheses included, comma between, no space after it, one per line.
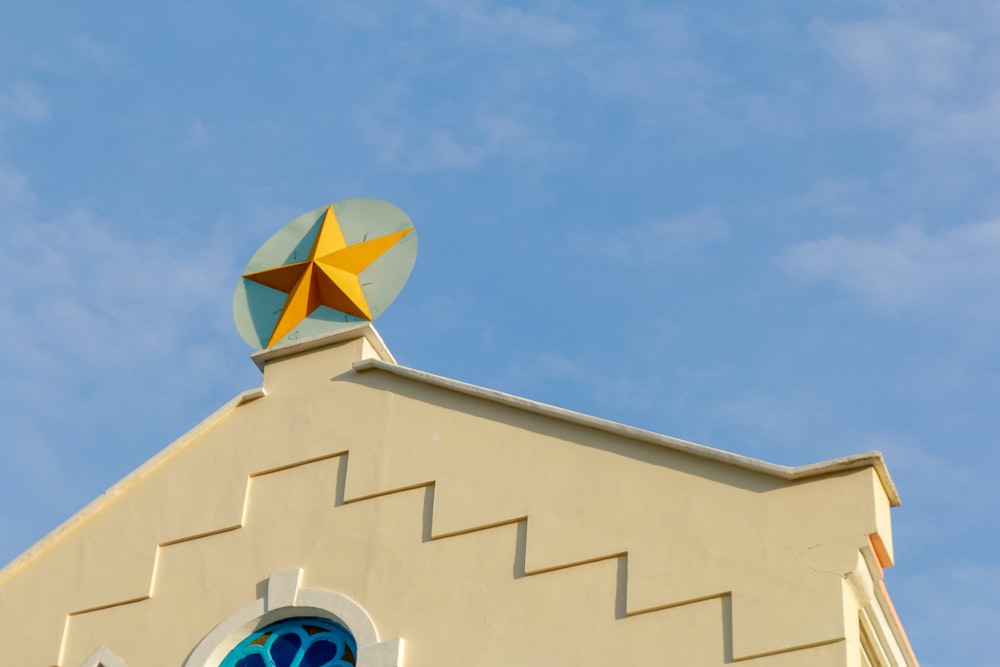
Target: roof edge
(126,482)
(870,459)
(361,330)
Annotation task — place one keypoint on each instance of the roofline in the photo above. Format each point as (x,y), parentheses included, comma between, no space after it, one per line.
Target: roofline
(870,459)
(129,480)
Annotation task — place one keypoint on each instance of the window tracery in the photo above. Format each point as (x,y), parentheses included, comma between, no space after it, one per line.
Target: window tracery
(295,642)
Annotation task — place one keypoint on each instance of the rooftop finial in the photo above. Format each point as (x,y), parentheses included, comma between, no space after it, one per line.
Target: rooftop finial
(335,266)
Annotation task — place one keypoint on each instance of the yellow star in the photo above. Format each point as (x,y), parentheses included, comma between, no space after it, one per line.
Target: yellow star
(328,277)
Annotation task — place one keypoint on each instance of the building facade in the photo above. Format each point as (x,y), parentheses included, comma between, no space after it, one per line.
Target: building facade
(353,511)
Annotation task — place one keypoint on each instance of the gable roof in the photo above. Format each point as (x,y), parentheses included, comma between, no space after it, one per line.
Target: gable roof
(346,431)
(377,358)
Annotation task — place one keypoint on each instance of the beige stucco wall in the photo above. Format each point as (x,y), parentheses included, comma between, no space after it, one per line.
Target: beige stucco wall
(480,533)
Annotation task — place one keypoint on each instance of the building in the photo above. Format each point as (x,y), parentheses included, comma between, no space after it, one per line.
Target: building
(434,523)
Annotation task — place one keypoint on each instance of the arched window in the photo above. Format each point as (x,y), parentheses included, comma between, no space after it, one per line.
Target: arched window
(291,626)
(295,642)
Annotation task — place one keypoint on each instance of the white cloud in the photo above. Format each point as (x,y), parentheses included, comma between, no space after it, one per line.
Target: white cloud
(653,69)
(15,192)
(24,101)
(102,287)
(498,102)
(90,50)
(917,464)
(838,198)
(655,242)
(769,418)
(196,136)
(618,394)
(118,332)
(654,55)
(508,24)
(455,145)
(907,266)
(898,55)
(938,86)
(100,314)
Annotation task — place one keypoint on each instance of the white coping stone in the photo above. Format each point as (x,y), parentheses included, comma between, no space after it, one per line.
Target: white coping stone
(871,459)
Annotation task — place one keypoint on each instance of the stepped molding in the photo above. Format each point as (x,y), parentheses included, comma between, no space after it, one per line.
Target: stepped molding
(284,594)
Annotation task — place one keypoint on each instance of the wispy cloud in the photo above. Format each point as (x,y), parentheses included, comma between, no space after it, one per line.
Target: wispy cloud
(905,267)
(103,286)
(616,394)
(93,51)
(918,464)
(899,56)
(24,101)
(772,421)
(940,86)
(196,136)
(652,67)
(95,310)
(655,242)
(15,192)
(478,20)
(465,143)
(828,198)
(645,70)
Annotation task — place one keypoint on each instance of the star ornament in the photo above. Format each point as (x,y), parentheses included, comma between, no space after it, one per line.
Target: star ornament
(329,268)
(327,277)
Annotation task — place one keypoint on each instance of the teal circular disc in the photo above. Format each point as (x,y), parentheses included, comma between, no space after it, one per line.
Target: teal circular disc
(367,245)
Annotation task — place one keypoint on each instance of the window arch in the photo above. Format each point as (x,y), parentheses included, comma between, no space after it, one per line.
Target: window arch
(296,642)
(285,602)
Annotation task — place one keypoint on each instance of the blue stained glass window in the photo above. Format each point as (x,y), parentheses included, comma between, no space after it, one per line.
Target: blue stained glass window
(295,642)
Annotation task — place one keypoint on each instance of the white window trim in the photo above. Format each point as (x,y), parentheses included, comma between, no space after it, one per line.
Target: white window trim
(103,657)
(285,598)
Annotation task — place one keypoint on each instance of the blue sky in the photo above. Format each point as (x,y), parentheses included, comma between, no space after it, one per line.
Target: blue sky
(769,227)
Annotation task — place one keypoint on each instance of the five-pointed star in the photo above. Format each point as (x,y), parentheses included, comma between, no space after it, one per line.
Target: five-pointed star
(328,277)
